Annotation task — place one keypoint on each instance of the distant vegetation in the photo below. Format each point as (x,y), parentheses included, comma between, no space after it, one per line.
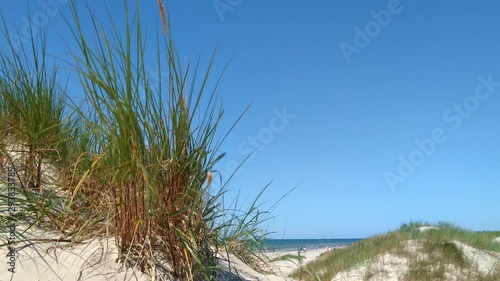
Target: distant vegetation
(430,259)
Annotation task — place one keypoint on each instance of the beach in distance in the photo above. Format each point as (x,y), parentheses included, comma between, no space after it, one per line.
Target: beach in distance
(294,244)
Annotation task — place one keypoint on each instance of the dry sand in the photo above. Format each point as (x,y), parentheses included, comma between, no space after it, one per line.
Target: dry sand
(96,260)
(285,268)
(41,261)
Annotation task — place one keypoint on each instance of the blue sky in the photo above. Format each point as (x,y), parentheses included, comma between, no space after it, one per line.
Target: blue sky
(341,93)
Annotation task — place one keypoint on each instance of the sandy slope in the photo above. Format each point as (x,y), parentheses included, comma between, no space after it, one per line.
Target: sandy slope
(40,261)
(485,261)
(96,260)
(393,267)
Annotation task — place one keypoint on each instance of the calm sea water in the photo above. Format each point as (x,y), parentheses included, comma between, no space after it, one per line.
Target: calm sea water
(293,244)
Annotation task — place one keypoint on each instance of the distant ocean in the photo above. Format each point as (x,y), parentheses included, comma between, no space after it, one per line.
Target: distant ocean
(294,244)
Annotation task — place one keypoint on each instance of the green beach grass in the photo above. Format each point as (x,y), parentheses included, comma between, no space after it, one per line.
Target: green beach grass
(134,160)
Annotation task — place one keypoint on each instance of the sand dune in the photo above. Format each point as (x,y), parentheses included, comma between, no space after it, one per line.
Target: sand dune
(97,260)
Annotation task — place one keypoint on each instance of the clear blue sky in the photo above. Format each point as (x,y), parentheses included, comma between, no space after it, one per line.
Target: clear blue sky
(359,102)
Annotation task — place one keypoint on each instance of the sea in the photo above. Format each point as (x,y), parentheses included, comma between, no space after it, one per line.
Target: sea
(272,245)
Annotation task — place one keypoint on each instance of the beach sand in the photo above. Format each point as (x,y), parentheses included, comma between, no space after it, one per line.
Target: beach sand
(97,260)
(285,268)
(41,261)
(281,269)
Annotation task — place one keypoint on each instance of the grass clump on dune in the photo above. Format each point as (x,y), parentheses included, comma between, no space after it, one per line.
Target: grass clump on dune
(429,254)
(153,160)
(135,159)
(34,126)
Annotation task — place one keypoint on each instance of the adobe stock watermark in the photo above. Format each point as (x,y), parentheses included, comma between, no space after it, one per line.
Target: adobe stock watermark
(363,36)
(157,74)
(223,6)
(454,118)
(253,144)
(30,27)
(11,226)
